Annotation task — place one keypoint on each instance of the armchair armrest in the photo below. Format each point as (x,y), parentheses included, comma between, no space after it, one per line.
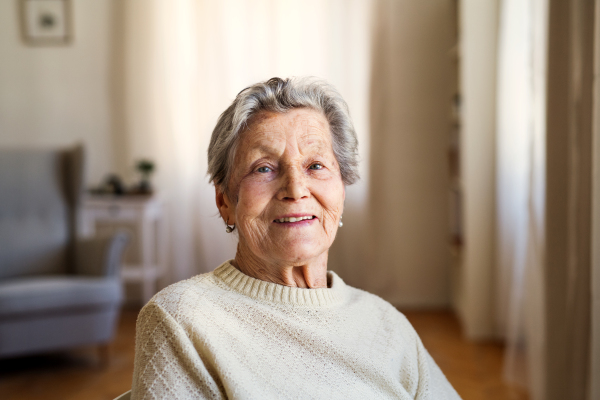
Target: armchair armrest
(100,256)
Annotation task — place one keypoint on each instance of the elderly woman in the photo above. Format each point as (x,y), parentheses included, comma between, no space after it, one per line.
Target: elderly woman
(274,323)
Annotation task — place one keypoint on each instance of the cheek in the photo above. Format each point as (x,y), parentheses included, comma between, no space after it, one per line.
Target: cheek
(331,197)
(253,198)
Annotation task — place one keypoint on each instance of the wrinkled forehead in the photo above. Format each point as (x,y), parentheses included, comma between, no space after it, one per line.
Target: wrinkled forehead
(307,127)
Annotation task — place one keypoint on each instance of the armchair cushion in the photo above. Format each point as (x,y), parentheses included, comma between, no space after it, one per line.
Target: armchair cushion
(100,256)
(40,295)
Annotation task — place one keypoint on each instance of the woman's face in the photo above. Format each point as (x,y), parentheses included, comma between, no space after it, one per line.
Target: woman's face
(287,190)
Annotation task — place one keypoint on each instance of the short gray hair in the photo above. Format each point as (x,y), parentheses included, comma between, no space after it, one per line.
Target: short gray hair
(281,95)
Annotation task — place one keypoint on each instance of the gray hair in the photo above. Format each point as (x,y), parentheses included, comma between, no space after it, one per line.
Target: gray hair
(281,95)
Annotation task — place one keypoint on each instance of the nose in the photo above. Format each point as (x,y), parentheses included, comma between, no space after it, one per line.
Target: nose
(294,185)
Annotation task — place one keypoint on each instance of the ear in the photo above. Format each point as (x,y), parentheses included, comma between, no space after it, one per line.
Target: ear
(225,206)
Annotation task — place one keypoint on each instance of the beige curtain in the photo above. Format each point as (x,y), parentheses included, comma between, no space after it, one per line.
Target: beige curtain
(474,283)
(186,60)
(411,93)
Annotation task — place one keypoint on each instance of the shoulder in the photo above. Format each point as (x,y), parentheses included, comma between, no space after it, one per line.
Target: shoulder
(178,299)
(369,304)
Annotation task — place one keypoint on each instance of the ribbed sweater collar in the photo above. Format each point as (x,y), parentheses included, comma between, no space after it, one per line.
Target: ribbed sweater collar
(273,292)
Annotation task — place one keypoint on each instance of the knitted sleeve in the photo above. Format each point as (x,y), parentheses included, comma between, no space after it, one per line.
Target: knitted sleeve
(439,387)
(167,366)
(433,384)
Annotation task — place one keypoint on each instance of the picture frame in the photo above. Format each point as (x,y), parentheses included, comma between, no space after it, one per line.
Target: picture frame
(46,22)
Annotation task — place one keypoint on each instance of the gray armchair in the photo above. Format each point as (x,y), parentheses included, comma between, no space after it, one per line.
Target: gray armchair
(56,290)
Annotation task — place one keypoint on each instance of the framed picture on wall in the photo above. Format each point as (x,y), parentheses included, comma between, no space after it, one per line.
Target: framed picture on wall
(46,22)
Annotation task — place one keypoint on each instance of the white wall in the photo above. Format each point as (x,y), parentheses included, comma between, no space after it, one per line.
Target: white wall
(56,96)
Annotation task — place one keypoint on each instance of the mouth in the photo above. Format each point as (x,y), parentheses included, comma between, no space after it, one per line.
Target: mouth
(295,219)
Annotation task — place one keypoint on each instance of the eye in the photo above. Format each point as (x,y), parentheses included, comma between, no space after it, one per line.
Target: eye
(316,166)
(264,169)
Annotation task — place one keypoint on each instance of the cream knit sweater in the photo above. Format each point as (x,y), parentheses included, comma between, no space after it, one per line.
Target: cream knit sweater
(225,335)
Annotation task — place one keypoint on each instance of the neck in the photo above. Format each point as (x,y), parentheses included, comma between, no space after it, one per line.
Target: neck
(307,274)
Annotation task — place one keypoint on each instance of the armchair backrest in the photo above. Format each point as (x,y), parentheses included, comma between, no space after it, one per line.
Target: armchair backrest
(40,192)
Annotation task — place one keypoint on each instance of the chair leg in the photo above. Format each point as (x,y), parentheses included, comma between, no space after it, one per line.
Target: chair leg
(103,354)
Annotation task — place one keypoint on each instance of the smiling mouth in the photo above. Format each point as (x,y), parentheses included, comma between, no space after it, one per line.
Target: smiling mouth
(294,219)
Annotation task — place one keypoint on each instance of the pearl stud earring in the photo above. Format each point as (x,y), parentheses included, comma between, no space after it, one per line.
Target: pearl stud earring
(228,228)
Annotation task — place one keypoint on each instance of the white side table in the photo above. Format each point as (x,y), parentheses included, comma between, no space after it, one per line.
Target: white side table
(145,214)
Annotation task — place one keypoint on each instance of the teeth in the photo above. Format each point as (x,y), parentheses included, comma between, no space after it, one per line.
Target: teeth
(293,219)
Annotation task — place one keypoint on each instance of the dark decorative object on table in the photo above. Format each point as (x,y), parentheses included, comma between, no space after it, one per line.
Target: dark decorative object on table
(145,168)
(112,185)
(115,183)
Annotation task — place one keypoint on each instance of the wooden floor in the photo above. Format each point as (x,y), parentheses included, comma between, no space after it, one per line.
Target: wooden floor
(78,375)
(473,369)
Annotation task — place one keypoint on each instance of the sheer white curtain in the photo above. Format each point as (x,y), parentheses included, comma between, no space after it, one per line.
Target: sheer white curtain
(186,60)
(521,188)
